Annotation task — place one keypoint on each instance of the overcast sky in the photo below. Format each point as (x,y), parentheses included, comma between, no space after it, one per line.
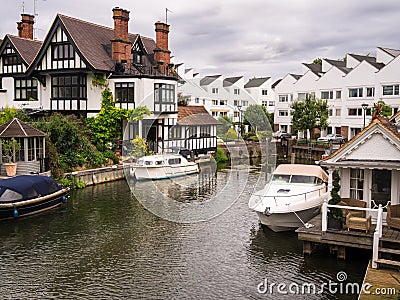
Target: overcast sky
(236,37)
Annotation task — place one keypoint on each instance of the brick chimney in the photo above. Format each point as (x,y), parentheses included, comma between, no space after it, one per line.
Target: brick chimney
(120,44)
(25,27)
(162,55)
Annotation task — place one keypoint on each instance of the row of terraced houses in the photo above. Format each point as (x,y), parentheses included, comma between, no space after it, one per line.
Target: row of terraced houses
(56,75)
(351,86)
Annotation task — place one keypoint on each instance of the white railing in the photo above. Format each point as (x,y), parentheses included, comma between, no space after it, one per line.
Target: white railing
(293,198)
(378,229)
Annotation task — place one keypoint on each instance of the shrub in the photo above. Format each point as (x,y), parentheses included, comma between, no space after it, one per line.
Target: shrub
(220,156)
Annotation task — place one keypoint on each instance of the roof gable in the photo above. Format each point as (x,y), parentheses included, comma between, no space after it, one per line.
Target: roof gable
(26,48)
(92,42)
(378,142)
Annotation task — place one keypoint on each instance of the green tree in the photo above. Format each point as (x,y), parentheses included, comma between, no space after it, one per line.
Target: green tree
(270,117)
(309,113)
(256,117)
(382,109)
(107,125)
(317,61)
(139,113)
(225,125)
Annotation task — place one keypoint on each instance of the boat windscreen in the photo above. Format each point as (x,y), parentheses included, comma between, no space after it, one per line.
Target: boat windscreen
(10,195)
(306,179)
(280,178)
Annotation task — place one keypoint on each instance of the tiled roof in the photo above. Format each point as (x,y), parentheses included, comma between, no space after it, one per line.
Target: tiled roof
(17,128)
(209,79)
(94,41)
(276,83)
(296,76)
(340,64)
(231,80)
(360,58)
(195,115)
(377,121)
(27,48)
(256,82)
(392,52)
(315,68)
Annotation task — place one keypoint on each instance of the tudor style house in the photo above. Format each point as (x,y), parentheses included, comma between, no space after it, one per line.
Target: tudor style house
(56,75)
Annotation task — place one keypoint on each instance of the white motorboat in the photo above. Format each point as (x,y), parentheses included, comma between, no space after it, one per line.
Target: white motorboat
(162,166)
(292,197)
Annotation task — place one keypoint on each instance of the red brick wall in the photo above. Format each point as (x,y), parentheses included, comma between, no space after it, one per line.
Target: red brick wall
(120,43)
(162,55)
(25,27)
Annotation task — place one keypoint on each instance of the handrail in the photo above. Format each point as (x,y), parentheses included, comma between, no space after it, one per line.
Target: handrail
(377,236)
(325,207)
(278,196)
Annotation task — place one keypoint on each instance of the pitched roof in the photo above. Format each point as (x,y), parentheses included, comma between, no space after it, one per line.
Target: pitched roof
(256,82)
(27,48)
(392,52)
(209,79)
(276,83)
(315,68)
(195,115)
(296,76)
(340,64)
(378,121)
(360,58)
(231,80)
(17,128)
(94,41)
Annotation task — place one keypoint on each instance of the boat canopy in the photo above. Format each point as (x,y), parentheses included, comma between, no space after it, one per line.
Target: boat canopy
(26,187)
(305,170)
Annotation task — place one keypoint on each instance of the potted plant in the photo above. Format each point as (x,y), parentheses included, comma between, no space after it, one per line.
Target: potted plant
(335,215)
(10,148)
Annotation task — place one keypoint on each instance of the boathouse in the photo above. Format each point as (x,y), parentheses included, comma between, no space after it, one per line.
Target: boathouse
(30,157)
(369,165)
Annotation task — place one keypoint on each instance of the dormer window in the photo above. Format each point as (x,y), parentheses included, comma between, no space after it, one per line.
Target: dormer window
(62,51)
(137,58)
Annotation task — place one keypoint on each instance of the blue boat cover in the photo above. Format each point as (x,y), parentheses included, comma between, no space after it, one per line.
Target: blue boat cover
(26,187)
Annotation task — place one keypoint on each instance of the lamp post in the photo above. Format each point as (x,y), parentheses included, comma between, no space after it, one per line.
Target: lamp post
(364,107)
(239,107)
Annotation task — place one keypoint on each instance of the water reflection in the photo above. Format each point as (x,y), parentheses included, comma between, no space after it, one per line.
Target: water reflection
(104,244)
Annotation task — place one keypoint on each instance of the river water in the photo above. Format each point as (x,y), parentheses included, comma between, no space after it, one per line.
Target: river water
(103,244)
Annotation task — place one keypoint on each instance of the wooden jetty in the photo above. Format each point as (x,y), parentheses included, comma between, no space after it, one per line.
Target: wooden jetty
(338,240)
(381,283)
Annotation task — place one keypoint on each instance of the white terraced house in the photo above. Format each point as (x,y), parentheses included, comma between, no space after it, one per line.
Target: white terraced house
(351,87)
(225,96)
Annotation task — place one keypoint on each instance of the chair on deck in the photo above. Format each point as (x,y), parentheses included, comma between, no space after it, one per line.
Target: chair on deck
(393,216)
(356,219)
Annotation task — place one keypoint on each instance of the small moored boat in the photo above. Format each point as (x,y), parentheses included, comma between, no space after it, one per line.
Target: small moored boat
(292,197)
(29,194)
(162,167)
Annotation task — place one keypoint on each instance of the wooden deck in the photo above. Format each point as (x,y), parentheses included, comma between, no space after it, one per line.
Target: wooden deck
(384,284)
(338,240)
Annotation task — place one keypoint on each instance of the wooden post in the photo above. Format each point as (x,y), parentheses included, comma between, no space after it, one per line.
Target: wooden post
(307,247)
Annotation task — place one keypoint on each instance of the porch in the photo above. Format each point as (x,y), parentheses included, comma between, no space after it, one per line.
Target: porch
(383,241)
